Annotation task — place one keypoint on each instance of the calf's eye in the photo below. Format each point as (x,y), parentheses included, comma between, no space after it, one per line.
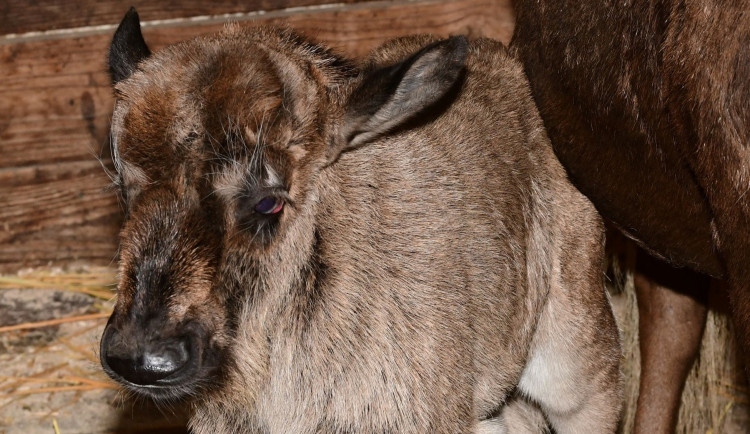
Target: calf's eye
(269,205)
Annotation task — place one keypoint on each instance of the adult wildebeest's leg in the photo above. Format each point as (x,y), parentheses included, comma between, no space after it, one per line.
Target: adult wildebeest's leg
(671,318)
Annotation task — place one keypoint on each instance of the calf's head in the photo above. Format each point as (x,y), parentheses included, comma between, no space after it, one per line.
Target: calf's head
(218,143)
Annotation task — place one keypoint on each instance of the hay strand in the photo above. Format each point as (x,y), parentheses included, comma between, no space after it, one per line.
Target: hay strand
(37,375)
(84,388)
(98,288)
(52,322)
(68,379)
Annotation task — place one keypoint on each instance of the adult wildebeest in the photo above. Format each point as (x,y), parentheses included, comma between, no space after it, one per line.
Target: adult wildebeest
(314,245)
(647,104)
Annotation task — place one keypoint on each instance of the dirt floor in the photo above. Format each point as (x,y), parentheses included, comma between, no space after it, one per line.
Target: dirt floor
(51,381)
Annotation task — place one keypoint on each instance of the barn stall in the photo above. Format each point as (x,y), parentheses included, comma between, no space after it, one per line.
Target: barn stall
(59,216)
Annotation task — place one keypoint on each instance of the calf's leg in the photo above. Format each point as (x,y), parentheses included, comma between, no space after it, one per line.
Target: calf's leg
(519,416)
(573,370)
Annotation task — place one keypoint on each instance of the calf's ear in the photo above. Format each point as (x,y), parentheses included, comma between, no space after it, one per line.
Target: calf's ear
(389,96)
(127,48)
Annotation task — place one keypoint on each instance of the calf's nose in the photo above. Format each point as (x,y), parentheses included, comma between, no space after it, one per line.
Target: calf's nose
(155,362)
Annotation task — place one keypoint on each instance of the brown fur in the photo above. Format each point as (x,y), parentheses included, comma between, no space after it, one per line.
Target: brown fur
(420,276)
(647,105)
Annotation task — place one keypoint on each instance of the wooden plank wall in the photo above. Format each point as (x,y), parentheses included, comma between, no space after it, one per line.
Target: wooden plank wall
(55,100)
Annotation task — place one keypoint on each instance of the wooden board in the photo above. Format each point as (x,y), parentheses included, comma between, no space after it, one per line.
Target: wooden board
(55,107)
(22,16)
(56,214)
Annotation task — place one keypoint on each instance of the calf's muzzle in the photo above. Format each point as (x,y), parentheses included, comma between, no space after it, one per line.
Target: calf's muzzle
(152,355)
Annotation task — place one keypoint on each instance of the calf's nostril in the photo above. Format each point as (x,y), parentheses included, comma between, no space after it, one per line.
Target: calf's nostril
(154,363)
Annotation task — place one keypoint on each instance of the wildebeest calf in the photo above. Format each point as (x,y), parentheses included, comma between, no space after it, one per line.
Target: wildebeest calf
(313,245)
